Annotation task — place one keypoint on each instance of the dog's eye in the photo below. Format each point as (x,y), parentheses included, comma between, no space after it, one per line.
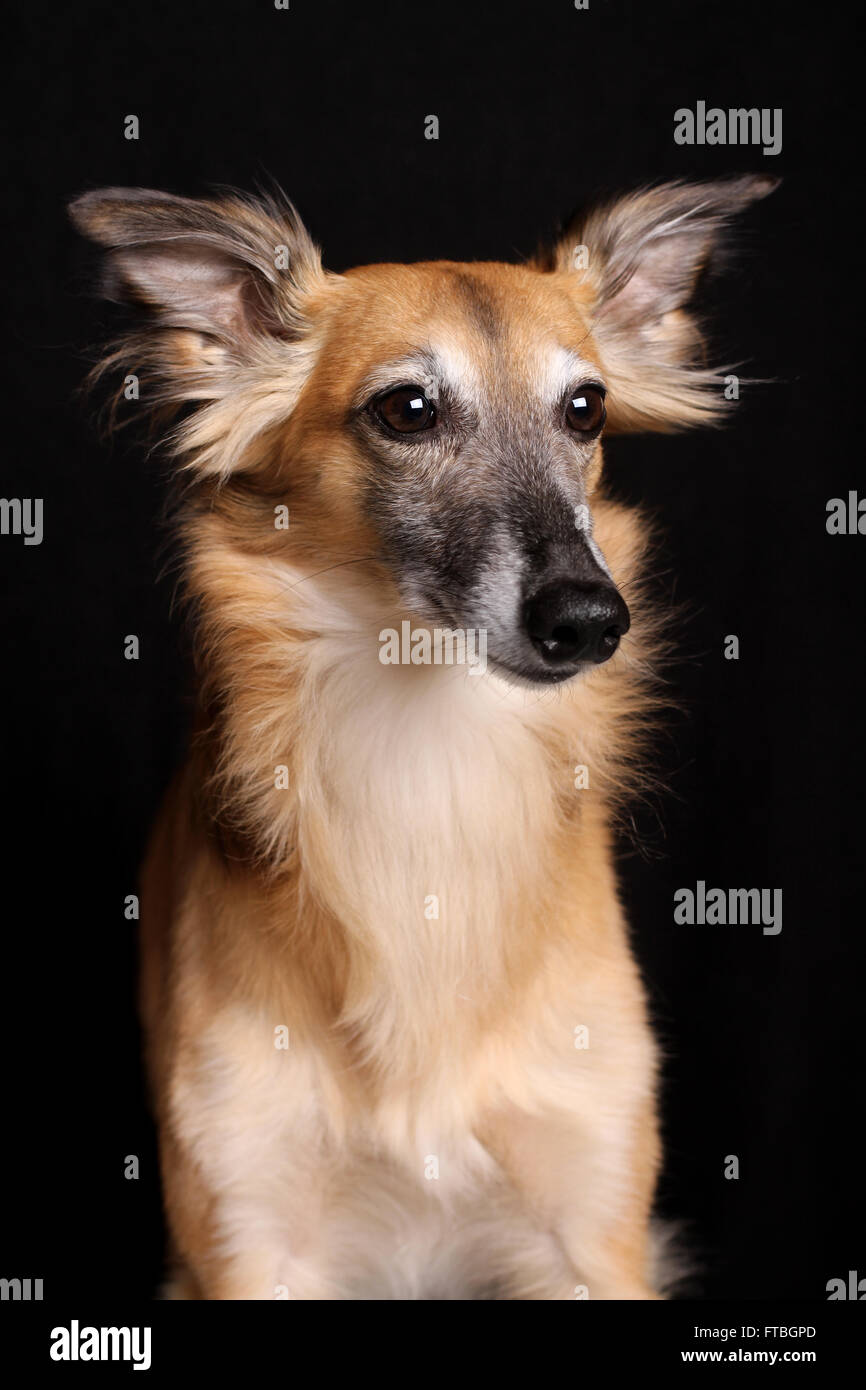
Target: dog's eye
(584,411)
(406,410)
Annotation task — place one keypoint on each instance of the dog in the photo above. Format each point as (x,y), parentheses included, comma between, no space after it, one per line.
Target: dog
(397,1042)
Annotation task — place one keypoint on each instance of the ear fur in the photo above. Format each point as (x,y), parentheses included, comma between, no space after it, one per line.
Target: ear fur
(223,286)
(637,260)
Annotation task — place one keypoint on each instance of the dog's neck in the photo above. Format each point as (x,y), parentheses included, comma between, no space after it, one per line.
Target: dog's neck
(405,789)
(426,812)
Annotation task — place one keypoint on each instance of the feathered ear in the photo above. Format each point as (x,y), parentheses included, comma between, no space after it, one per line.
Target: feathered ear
(634,264)
(229,268)
(220,285)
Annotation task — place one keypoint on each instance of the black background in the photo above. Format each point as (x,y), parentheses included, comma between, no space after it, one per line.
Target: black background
(541,107)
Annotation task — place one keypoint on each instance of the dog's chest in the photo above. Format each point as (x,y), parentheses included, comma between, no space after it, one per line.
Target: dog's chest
(440,809)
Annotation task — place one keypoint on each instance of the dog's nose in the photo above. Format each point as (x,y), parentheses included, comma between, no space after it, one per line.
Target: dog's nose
(569,622)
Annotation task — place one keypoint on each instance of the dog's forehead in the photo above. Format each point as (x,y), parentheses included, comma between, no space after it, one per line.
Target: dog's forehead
(471,326)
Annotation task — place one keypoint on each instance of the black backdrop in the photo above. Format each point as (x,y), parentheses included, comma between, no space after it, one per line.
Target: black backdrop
(540,108)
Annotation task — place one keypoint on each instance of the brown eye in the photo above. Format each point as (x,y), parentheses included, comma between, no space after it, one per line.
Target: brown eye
(585,412)
(406,410)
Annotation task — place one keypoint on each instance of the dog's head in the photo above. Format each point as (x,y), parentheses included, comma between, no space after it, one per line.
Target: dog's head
(441,421)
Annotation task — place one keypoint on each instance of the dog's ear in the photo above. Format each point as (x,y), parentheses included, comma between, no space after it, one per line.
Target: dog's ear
(231,268)
(219,285)
(634,265)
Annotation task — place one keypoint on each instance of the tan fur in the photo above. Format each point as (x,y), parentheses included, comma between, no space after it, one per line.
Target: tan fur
(305,1173)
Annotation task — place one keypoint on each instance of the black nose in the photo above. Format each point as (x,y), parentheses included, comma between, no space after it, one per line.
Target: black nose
(569,622)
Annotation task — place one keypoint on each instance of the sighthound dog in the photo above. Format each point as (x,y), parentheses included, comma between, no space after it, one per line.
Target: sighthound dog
(397,1042)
